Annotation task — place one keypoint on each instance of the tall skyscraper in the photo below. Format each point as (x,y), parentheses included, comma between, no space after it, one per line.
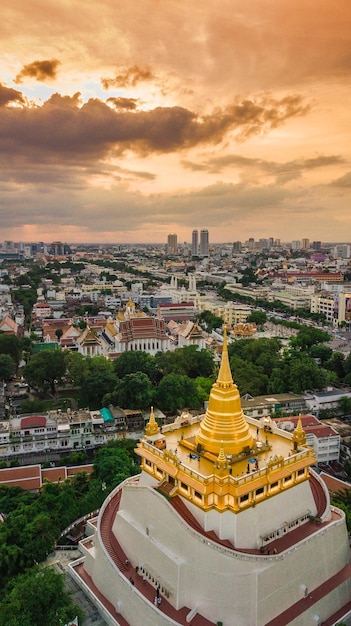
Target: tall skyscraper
(172,244)
(195,243)
(204,242)
(305,244)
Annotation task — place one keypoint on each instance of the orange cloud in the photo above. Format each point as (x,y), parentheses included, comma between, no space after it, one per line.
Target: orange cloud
(8,95)
(129,77)
(40,70)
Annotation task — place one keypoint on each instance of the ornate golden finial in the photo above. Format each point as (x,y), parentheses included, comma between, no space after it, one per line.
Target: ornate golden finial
(224,374)
(221,462)
(224,424)
(299,435)
(152,427)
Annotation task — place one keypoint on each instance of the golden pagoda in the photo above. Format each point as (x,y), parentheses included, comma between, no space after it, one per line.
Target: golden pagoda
(224,424)
(224,460)
(227,520)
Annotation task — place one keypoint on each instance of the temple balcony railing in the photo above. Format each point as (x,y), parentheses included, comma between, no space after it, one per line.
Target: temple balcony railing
(278,465)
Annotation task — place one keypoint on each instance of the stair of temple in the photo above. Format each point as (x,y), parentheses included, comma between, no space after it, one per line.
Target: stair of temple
(188,517)
(108,538)
(319,496)
(165,488)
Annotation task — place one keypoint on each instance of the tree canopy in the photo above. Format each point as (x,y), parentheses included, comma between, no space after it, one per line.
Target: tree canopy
(177,391)
(37,597)
(44,370)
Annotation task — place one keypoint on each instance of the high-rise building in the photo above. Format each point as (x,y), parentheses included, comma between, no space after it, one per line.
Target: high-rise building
(172,244)
(195,243)
(227,523)
(237,245)
(305,244)
(204,243)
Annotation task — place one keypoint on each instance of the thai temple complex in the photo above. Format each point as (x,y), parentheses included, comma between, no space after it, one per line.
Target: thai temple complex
(226,525)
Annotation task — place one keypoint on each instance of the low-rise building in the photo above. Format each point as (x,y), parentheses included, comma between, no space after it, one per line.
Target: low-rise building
(36,438)
(318,401)
(324,439)
(258,406)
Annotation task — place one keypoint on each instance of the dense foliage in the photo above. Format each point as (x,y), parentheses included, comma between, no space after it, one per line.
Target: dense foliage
(137,380)
(32,526)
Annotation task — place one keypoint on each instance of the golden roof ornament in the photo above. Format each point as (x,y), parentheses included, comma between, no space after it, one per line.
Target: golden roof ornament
(221,464)
(152,427)
(224,424)
(299,435)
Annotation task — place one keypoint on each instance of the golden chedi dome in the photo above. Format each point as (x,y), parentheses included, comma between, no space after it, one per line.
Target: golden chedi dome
(224,425)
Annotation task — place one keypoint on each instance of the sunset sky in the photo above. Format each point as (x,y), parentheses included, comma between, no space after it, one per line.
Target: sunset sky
(126,120)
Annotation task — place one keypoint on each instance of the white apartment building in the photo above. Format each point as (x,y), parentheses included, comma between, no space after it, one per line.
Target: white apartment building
(56,432)
(335,304)
(321,437)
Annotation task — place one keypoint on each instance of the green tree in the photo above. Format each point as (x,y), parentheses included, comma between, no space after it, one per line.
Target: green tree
(58,333)
(11,345)
(322,353)
(37,597)
(279,379)
(113,464)
(188,360)
(210,321)
(257,317)
(203,386)
(132,361)
(7,367)
(249,377)
(337,364)
(196,362)
(77,368)
(177,391)
(134,391)
(345,405)
(45,370)
(264,353)
(305,374)
(308,337)
(96,385)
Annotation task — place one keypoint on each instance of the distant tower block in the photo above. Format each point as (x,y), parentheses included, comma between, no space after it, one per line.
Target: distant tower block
(172,244)
(204,238)
(195,243)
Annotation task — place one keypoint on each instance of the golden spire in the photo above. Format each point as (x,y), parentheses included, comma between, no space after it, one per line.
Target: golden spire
(221,463)
(299,435)
(224,425)
(152,427)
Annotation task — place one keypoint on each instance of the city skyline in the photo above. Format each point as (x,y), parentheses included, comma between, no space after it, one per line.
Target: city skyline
(231,118)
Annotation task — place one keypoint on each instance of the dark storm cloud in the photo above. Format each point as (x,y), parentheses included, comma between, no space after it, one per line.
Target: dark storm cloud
(129,77)
(8,95)
(129,104)
(64,130)
(40,70)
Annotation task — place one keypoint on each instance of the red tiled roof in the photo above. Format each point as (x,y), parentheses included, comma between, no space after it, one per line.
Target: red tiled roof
(174,307)
(33,421)
(71,471)
(31,477)
(334,484)
(310,424)
(54,474)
